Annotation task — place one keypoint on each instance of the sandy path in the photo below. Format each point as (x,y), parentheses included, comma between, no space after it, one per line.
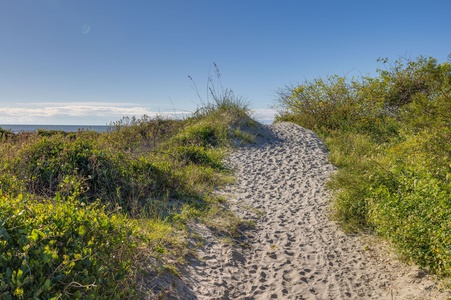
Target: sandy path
(295,251)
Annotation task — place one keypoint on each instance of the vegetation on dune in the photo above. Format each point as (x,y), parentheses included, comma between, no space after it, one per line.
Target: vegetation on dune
(76,208)
(390,136)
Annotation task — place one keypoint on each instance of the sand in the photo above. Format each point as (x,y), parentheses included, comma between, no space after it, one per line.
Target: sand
(295,251)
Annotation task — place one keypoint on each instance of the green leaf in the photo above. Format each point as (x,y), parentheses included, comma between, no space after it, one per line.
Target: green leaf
(34,236)
(47,284)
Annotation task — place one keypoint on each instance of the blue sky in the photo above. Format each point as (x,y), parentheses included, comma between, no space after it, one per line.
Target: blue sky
(93,61)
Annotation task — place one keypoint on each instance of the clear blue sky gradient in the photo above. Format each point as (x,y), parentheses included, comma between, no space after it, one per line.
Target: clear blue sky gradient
(92,61)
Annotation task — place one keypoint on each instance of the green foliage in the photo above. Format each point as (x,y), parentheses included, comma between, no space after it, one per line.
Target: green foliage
(62,248)
(5,135)
(201,134)
(138,135)
(390,136)
(225,104)
(410,201)
(338,104)
(47,164)
(324,103)
(200,156)
(354,155)
(98,166)
(406,79)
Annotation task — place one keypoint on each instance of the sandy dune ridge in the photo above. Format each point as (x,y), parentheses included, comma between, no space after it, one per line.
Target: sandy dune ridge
(294,251)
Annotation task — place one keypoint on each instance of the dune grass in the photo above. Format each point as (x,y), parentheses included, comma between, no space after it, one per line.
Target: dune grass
(80,212)
(390,136)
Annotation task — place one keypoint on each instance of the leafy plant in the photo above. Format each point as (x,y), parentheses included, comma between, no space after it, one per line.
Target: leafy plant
(63,248)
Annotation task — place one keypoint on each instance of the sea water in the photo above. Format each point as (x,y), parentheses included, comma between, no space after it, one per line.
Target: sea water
(67,128)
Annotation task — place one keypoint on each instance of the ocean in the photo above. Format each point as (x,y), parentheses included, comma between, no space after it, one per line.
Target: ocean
(67,128)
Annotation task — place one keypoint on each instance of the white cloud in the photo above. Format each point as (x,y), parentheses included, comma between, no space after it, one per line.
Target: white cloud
(89,113)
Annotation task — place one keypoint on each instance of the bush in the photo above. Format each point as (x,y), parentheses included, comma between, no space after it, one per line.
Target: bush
(141,135)
(58,164)
(63,248)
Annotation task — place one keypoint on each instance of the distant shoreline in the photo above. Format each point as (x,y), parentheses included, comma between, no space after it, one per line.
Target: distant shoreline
(16,128)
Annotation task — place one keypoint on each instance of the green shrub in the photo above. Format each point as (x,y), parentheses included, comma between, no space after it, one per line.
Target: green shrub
(202,134)
(410,203)
(199,155)
(406,79)
(354,155)
(62,248)
(5,135)
(45,165)
(140,135)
